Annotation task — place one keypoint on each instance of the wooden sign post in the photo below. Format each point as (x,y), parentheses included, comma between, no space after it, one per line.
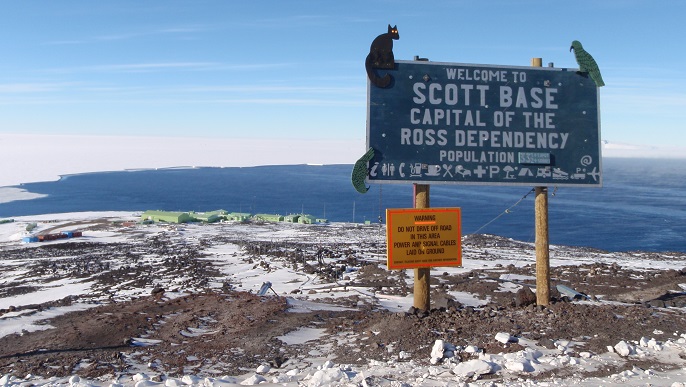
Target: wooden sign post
(422,275)
(542,242)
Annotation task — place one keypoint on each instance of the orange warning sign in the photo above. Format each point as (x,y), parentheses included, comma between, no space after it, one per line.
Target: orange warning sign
(423,237)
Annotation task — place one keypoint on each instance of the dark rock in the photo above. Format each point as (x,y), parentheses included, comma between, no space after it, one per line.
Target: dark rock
(278,361)
(547,343)
(525,297)
(453,304)
(669,299)
(157,290)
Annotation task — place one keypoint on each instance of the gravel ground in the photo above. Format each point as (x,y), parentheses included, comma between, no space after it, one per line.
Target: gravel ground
(215,330)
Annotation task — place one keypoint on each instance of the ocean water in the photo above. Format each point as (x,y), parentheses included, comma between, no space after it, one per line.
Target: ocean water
(642,205)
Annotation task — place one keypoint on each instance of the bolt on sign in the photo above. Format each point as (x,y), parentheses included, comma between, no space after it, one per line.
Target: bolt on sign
(423,237)
(449,123)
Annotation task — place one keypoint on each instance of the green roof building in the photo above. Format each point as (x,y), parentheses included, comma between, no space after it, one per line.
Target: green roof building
(307,219)
(166,216)
(269,217)
(209,217)
(239,216)
(292,218)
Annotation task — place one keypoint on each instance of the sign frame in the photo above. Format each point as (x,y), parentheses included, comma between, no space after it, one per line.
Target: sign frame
(554,118)
(436,236)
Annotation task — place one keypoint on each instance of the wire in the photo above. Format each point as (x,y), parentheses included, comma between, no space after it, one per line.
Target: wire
(507,211)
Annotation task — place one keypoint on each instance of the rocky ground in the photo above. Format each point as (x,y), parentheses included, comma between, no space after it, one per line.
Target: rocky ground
(162,307)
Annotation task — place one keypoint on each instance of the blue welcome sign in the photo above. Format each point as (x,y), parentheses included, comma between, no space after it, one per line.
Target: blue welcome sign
(449,123)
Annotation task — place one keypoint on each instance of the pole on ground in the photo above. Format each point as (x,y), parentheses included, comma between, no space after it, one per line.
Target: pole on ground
(422,275)
(542,247)
(542,242)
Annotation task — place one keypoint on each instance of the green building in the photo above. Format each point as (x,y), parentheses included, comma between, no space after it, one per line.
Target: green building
(269,217)
(238,216)
(292,218)
(307,219)
(166,216)
(209,217)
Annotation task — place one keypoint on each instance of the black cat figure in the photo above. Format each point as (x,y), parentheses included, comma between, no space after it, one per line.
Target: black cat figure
(381,57)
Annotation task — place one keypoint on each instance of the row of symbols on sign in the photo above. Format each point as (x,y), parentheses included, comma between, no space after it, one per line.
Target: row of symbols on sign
(410,170)
(559,174)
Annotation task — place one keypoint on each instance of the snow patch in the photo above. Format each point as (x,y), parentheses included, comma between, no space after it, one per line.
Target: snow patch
(302,335)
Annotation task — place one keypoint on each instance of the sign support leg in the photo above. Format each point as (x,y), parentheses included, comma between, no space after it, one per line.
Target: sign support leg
(542,247)
(422,275)
(542,241)
(422,289)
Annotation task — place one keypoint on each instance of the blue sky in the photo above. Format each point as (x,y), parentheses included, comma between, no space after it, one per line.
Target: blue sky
(295,69)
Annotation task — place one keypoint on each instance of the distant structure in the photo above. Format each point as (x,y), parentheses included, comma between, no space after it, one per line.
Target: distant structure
(291,218)
(238,216)
(52,237)
(269,217)
(209,217)
(156,216)
(166,216)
